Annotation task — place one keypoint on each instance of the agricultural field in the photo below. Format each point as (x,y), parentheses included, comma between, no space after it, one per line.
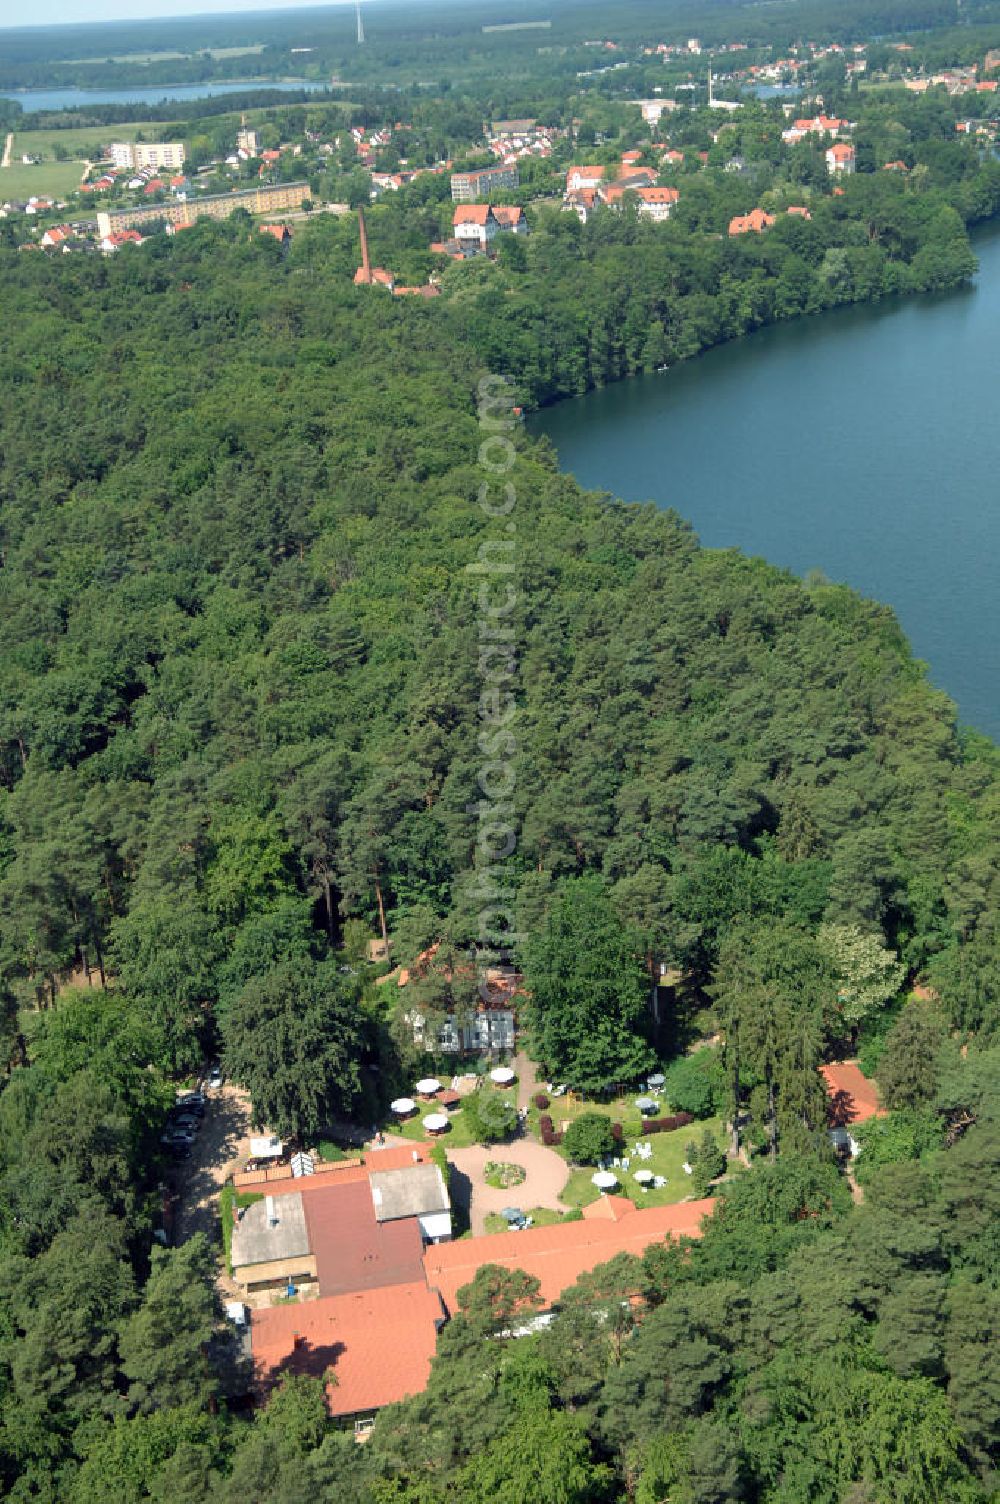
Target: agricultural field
(55,179)
(82,141)
(169,57)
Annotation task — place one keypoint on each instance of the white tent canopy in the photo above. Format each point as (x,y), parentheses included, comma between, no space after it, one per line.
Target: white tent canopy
(437,1122)
(428,1086)
(604,1180)
(403,1106)
(503,1075)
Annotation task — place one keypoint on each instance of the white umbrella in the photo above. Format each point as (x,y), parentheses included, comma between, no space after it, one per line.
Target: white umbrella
(643,1176)
(604,1180)
(654,1081)
(428,1086)
(436,1123)
(503,1075)
(403,1106)
(645,1104)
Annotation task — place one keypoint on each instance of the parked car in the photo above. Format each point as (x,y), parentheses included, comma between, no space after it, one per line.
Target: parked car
(177,1136)
(215,1078)
(185,1122)
(191,1101)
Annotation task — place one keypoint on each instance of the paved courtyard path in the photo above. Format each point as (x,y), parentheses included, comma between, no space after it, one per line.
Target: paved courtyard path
(7,146)
(545,1178)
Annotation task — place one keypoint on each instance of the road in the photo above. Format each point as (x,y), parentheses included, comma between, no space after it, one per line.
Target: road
(221,1146)
(8,147)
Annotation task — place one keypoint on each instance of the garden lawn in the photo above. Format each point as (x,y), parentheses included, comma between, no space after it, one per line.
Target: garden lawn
(541,1216)
(45,179)
(667,1158)
(458,1136)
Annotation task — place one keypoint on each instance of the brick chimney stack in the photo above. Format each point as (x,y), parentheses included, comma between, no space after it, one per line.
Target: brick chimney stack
(365,269)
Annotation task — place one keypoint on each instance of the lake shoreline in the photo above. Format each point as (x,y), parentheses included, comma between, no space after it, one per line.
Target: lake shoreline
(858,442)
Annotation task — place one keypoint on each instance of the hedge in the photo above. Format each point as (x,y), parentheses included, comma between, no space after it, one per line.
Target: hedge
(667,1125)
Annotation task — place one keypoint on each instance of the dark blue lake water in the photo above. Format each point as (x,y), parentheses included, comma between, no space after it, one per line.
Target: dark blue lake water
(865,443)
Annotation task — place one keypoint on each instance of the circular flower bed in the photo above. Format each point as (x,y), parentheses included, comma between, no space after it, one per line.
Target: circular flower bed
(502,1175)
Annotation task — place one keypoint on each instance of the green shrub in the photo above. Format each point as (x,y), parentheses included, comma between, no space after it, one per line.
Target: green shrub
(697,1084)
(588,1138)
(490,1116)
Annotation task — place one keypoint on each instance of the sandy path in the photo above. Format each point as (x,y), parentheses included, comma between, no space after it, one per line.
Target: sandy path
(8,147)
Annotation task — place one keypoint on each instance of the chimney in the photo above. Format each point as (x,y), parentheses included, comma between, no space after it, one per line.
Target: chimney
(366,265)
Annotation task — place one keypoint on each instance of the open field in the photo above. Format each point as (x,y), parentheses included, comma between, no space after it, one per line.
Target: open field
(169,57)
(55,179)
(80,142)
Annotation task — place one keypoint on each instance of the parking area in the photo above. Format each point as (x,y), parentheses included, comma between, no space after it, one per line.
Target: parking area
(220,1146)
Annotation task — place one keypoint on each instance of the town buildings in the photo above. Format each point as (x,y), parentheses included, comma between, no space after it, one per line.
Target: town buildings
(261,200)
(248,140)
(466,187)
(155,154)
(371,1245)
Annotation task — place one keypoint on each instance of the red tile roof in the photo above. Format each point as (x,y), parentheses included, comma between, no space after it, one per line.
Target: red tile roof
(658,195)
(608,1209)
(756,220)
(558,1255)
(379,1344)
(352,1250)
(471,214)
(853,1098)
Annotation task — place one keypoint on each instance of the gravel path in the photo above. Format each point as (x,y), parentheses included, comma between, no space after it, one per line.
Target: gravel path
(546,1176)
(527,1081)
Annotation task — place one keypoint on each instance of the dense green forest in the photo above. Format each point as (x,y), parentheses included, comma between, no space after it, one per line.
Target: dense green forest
(438,43)
(240,716)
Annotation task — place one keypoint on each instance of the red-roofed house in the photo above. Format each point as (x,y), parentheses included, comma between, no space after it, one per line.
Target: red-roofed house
(841,157)
(853,1099)
(57,235)
(281,233)
(475,225)
(361,1227)
(556,1256)
(656,203)
(510,219)
(118,238)
(584,177)
(800,210)
(378,1343)
(754,222)
(673,156)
